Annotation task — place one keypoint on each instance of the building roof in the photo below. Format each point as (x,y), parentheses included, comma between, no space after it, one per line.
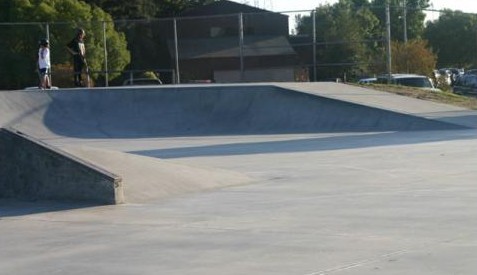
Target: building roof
(225,47)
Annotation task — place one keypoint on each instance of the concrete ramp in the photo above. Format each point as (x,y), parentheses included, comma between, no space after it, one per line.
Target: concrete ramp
(207,110)
(204,110)
(33,170)
(147,179)
(394,202)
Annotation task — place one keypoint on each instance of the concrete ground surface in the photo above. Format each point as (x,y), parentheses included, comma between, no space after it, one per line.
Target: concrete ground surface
(318,199)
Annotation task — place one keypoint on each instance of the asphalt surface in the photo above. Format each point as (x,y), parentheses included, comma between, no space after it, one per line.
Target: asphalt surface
(310,178)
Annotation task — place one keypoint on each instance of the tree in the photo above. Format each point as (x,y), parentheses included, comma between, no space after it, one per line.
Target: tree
(453,38)
(147,37)
(169,8)
(413,57)
(20,47)
(415,17)
(127,9)
(146,9)
(347,33)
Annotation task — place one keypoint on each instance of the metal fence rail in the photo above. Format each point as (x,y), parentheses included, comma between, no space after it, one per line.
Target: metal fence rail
(244,47)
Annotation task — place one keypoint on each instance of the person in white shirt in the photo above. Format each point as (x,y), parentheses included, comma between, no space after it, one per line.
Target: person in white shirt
(44,65)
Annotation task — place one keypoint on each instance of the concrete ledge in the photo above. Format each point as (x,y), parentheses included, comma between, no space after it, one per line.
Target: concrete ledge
(33,170)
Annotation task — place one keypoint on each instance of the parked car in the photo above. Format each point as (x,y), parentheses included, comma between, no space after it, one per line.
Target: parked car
(369,80)
(36,88)
(142,81)
(444,76)
(466,84)
(472,71)
(410,80)
(449,75)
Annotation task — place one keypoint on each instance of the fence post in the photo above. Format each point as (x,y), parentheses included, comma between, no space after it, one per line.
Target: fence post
(313,14)
(240,17)
(404,18)
(106,75)
(48,37)
(388,42)
(176,53)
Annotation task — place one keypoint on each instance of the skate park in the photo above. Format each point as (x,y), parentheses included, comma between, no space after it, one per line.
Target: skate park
(272,178)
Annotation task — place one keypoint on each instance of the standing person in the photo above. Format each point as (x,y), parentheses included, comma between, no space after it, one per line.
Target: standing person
(44,64)
(77,49)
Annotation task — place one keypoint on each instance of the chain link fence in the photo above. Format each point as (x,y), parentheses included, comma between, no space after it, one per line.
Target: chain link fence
(243,47)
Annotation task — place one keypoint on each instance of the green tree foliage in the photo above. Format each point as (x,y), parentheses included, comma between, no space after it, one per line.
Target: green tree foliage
(127,9)
(169,8)
(415,17)
(146,9)
(361,25)
(453,37)
(346,33)
(19,51)
(147,35)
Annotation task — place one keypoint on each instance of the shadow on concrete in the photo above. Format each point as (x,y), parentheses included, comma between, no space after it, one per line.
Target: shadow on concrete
(207,111)
(337,142)
(15,208)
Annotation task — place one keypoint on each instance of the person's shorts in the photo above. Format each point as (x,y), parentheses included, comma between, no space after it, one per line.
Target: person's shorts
(44,71)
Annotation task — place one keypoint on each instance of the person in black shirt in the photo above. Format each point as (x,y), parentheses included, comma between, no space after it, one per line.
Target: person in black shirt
(77,49)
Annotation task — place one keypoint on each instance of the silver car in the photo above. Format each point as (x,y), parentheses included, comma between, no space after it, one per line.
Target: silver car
(410,80)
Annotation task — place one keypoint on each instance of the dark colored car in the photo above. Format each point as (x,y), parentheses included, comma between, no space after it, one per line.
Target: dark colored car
(466,84)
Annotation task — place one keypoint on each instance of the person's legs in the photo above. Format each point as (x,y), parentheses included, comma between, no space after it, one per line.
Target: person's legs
(78,68)
(43,75)
(47,79)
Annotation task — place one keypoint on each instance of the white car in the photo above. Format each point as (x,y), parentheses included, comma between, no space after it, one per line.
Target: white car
(410,80)
(142,81)
(369,80)
(39,89)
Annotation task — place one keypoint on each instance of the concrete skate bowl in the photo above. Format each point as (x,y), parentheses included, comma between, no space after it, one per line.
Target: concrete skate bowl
(186,111)
(204,111)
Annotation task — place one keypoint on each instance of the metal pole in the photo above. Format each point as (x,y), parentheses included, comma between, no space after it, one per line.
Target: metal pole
(176,53)
(48,37)
(240,17)
(405,33)
(405,20)
(388,41)
(313,14)
(106,75)
(48,31)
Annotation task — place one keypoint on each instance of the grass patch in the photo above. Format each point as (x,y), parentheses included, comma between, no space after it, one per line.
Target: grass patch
(441,97)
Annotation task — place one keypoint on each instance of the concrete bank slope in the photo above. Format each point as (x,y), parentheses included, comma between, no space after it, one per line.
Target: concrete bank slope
(147,179)
(202,110)
(33,170)
(388,101)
